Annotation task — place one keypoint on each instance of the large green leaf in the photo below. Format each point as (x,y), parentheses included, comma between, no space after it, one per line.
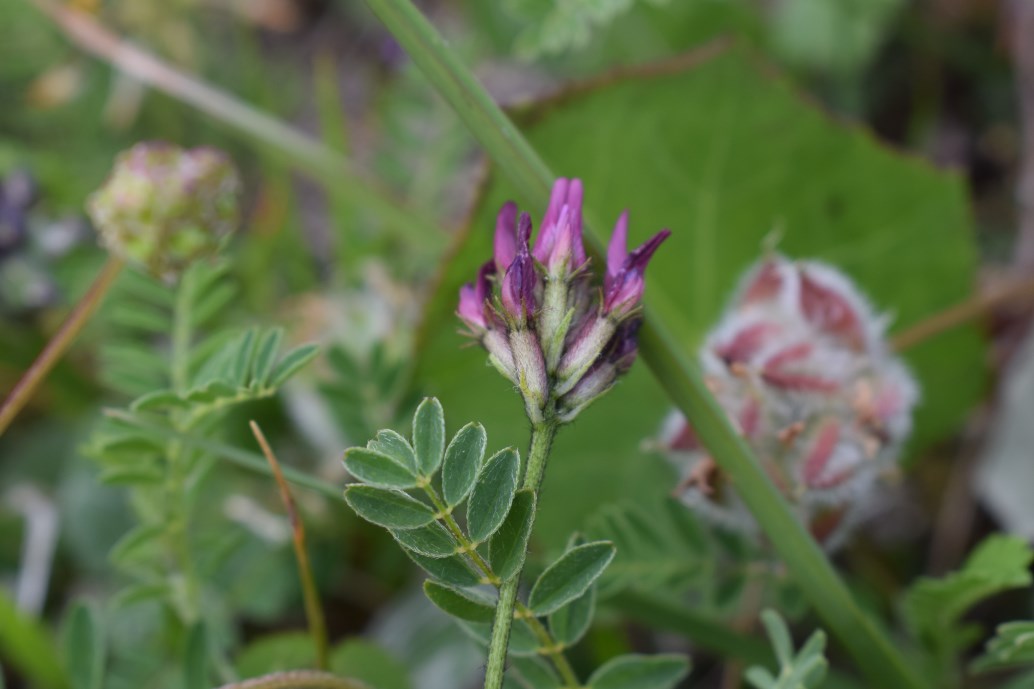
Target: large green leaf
(723,153)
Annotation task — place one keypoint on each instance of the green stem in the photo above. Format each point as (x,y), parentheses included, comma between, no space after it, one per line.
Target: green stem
(22,392)
(532,178)
(553,648)
(541,441)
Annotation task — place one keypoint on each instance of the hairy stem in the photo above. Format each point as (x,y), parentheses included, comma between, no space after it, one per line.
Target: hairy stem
(313,609)
(541,441)
(59,343)
(552,648)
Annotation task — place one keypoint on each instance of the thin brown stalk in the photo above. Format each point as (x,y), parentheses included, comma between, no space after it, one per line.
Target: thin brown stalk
(313,609)
(22,392)
(1018,291)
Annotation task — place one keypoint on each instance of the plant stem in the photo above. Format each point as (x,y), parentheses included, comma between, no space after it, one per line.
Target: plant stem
(553,648)
(532,178)
(541,441)
(313,610)
(59,343)
(1014,292)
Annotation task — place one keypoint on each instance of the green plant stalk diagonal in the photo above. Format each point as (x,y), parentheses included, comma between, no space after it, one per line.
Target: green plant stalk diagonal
(532,178)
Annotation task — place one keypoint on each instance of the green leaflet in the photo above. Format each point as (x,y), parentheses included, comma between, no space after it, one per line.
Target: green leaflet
(933,607)
(463,460)
(292,362)
(429,435)
(1012,646)
(378,469)
(432,540)
(460,604)
(640,672)
(391,509)
(508,547)
(805,669)
(395,446)
(493,494)
(570,623)
(570,576)
(196,668)
(535,673)
(266,355)
(455,570)
(84,647)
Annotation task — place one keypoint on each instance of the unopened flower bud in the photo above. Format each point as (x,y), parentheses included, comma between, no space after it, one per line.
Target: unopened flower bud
(530,367)
(521,278)
(504,243)
(615,361)
(559,244)
(165,207)
(623,285)
(473,296)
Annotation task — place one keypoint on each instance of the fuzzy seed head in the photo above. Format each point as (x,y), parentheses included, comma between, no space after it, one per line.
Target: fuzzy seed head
(800,364)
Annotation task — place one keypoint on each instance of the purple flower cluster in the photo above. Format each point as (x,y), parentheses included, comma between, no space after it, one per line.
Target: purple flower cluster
(562,339)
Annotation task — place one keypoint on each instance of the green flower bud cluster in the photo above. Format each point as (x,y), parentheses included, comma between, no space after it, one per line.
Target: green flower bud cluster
(164,207)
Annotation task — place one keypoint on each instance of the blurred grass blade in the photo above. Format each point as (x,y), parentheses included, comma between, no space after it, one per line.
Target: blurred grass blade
(27,647)
(681,380)
(289,144)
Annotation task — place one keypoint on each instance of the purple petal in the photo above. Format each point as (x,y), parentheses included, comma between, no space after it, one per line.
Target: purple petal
(523,233)
(518,292)
(473,296)
(470,309)
(641,255)
(624,293)
(557,200)
(505,243)
(617,251)
(574,202)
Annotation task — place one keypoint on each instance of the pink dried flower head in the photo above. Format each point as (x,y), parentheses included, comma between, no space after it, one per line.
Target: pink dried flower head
(560,340)
(800,365)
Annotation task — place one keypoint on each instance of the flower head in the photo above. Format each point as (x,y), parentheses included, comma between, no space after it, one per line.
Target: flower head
(560,340)
(164,207)
(800,365)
